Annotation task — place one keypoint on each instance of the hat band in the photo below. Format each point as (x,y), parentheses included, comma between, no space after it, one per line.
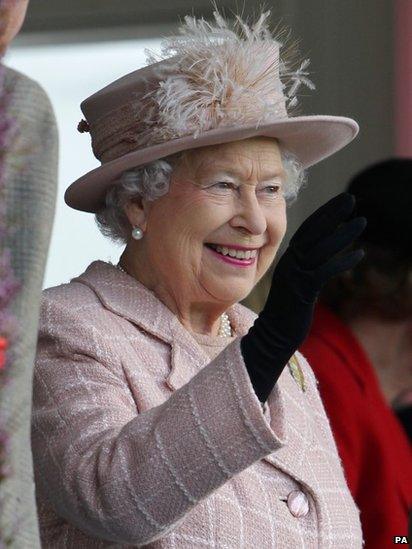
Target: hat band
(133,126)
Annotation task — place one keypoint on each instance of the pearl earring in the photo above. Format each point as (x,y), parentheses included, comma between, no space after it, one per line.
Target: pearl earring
(137,233)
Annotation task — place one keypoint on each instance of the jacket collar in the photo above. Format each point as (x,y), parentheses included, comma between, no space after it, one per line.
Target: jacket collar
(130,299)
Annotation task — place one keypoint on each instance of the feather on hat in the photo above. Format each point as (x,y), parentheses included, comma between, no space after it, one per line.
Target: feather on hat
(212,83)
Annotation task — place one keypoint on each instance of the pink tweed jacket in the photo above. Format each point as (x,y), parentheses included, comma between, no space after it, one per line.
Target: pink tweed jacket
(139,439)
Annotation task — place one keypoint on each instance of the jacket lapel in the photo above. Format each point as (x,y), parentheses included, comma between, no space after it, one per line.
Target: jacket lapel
(128,298)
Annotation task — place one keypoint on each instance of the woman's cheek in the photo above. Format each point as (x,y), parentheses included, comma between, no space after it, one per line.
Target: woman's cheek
(278,229)
(267,258)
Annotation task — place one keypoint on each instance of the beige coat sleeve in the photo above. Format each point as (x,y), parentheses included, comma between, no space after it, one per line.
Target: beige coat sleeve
(30,175)
(123,476)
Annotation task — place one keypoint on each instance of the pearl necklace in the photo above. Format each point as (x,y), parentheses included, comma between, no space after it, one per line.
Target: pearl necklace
(225,329)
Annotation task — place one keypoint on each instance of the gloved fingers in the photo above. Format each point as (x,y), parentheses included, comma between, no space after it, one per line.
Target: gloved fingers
(334,243)
(337,265)
(323,221)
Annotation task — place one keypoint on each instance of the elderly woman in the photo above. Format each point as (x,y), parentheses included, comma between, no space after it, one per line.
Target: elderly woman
(165,413)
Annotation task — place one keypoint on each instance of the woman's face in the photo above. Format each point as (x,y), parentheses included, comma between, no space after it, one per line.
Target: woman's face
(228,195)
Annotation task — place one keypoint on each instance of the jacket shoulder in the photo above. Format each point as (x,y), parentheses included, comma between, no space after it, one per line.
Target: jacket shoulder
(70,293)
(71,302)
(73,323)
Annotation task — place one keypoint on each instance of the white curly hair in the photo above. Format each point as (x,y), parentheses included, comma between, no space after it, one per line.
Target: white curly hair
(152,181)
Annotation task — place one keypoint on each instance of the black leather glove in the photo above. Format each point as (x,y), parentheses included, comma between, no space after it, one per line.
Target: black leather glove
(311,259)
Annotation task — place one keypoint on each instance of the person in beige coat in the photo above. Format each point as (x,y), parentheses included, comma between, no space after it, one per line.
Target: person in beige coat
(30,186)
(165,413)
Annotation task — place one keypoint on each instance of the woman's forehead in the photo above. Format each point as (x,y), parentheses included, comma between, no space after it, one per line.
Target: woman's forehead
(237,157)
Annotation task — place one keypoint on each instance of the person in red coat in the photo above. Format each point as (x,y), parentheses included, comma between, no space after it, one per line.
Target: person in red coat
(360,348)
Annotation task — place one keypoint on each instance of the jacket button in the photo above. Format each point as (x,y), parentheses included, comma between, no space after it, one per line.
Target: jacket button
(298,503)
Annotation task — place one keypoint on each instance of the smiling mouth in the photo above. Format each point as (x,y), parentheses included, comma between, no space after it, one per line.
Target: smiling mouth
(238,256)
(231,252)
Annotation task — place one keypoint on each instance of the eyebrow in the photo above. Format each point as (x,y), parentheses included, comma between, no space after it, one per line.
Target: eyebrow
(237,174)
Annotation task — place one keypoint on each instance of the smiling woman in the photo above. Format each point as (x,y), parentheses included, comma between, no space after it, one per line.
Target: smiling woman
(166,414)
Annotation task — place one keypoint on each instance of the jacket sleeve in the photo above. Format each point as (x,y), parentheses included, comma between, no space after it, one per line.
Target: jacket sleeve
(125,476)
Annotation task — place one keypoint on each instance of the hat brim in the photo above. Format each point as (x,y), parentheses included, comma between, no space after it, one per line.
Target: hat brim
(309,138)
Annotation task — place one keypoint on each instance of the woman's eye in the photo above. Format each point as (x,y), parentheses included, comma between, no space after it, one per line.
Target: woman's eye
(272,189)
(224,185)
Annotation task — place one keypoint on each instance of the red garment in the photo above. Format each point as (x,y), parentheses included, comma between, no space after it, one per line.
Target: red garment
(375,452)
(3,348)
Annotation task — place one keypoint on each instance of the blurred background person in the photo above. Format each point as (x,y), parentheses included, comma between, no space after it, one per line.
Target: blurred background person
(12,14)
(30,179)
(360,348)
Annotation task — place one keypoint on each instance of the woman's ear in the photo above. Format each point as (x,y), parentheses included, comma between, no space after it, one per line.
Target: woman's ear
(136,211)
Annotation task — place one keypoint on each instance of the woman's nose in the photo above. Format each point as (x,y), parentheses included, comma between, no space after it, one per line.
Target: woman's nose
(250,216)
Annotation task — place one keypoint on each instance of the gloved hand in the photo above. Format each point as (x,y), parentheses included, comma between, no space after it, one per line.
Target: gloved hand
(310,260)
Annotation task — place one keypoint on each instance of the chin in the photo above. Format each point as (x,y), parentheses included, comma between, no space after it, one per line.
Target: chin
(233,296)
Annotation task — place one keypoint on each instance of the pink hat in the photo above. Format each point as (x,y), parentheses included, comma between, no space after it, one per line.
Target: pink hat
(212,84)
